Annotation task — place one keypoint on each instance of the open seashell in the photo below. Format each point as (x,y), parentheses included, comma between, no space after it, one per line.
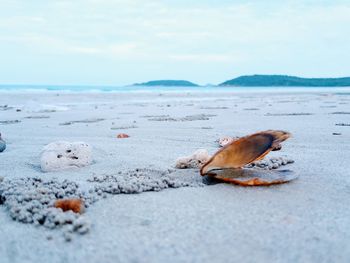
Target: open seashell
(254,177)
(245,150)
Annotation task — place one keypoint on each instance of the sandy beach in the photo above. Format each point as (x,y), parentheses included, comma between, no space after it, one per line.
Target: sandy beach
(185,220)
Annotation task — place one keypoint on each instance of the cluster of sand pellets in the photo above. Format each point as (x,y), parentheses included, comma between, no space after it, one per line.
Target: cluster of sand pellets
(270,163)
(33,200)
(142,180)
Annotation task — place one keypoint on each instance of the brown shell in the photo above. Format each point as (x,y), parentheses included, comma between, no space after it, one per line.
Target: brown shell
(254,177)
(75,205)
(245,150)
(223,141)
(122,136)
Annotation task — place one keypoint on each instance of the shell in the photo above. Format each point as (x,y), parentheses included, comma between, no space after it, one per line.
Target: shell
(254,177)
(245,150)
(122,135)
(75,205)
(223,141)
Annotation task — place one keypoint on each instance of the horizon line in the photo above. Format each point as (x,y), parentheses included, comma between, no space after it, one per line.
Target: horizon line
(138,83)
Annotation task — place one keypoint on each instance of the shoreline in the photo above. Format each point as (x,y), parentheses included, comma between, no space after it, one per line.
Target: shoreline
(137,89)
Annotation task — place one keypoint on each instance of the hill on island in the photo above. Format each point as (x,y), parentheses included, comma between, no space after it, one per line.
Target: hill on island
(281,80)
(169,83)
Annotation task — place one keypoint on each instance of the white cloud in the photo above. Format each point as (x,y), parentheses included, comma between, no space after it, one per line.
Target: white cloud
(233,37)
(201,57)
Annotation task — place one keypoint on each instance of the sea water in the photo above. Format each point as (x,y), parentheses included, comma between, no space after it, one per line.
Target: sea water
(86,88)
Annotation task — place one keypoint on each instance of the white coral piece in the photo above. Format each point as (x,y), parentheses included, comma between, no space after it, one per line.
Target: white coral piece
(63,155)
(196,160)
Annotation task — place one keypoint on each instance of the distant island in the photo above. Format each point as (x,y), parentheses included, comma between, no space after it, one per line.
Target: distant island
(169,83)
(259,81)
(281,80)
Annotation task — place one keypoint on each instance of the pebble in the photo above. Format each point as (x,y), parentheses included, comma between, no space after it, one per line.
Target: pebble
(2,144)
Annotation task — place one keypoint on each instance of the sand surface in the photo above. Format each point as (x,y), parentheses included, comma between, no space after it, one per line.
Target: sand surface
(306,220)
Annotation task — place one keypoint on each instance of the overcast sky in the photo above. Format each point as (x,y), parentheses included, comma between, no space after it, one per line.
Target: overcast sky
(118,42)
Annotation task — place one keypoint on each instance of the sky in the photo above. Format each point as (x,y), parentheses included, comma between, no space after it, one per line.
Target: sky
(120,42)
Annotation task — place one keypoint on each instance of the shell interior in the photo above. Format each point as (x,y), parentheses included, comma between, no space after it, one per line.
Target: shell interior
(253,177)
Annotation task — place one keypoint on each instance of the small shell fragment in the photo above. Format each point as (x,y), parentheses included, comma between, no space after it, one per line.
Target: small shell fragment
(122,135)
(76,205)
(254,177)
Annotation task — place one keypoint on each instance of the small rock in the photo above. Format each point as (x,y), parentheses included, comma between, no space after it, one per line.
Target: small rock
(2,144)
